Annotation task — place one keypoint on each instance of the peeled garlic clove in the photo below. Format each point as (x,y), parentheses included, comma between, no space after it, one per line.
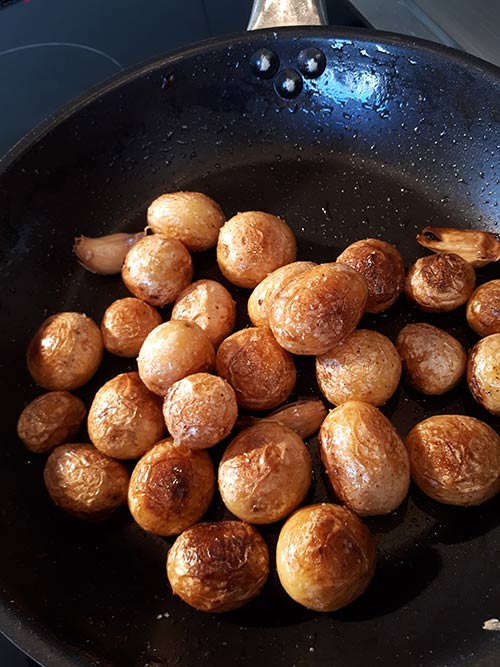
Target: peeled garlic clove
(304,417)
(476,247)
(104,254)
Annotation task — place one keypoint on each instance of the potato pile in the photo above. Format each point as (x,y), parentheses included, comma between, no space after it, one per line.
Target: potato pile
(167,437)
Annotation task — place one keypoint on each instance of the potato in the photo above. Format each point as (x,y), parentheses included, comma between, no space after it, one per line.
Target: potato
(325,557)
(84,482)
(265,473)
(156,269)
(483,373)
(125,418)
(455,459)
(440,283)
(65,352)
(125,325)
(208,304)
(433,361)
(190,217)
(261,373)
(200,410)
(318,309)
(253,244)
(483,309)
(218,566)
(172,351)
(365,366)
(365,459)
(381,265)
(50,420)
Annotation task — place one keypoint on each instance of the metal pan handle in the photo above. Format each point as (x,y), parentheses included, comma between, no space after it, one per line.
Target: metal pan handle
(275,13)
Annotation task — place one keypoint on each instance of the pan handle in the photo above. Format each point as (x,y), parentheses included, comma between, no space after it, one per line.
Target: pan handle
(274,13)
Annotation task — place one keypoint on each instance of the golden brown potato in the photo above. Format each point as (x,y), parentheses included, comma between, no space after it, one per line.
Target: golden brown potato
(261,373)
(433,361)
(265,473)
(381,265)
(218,566)
(50,420)
(208,304)
(483,309)
(65,352)
(455,459)
(200,410)
(440,283)
(263,295)
(325,557)
(125,418)
(483,373)
(171,488)
(318,309)
(125,325)
(172,351)
(253,244)
(156,269)
(365,366)
(84,482)
(190,217)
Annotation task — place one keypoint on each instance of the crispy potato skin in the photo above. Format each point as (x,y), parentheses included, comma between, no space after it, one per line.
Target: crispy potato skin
(455,459)
(365,459)
(125,325)
(218,566)
(265,473)
(483,309)
(381,265)
(365,366)
(325,557)
(483,373)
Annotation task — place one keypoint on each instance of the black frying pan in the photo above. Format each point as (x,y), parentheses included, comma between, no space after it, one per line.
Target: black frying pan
(396,134)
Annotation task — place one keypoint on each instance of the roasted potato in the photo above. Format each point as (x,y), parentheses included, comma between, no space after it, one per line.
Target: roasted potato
(125,325)
(483,309)
(483,373)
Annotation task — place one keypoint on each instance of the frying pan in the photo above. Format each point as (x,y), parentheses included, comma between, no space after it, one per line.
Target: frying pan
(394,135)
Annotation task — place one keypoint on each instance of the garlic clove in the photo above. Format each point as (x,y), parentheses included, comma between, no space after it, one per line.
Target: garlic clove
(304,417)
(104,254)
(476,247)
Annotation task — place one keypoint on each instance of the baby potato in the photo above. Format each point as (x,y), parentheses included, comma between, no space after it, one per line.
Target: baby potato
(171,488)
(483,309)
(208,304)
(125,325)
(218,566)
(381,265)
(263,295)
(50,420)
(261,373)
(200,410)
(190,217)
(365,366)
(440,283)
(172,351)
(125,418)
(253,244)
(483,373)
(365,459)
(156,269)
(318,309)
(84,482)
(265,473)
(65,352)
(455,459)
(325,557)
(433,361)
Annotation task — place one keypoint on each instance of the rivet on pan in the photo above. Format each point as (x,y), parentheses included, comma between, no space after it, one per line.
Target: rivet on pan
(264,63)
(288,83)
(311,62)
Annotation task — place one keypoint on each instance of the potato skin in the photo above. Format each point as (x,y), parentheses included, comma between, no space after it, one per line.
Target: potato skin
(218,566)
(325,557)
(171,488)
(84,482)
(365,366)
(253,244)
(440,283)
(318,309)
(483,309)
(483,373)
(65,352)
(261,373)
(433,361)
(265,473)
(381,265)
(125,325)
(455,459)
